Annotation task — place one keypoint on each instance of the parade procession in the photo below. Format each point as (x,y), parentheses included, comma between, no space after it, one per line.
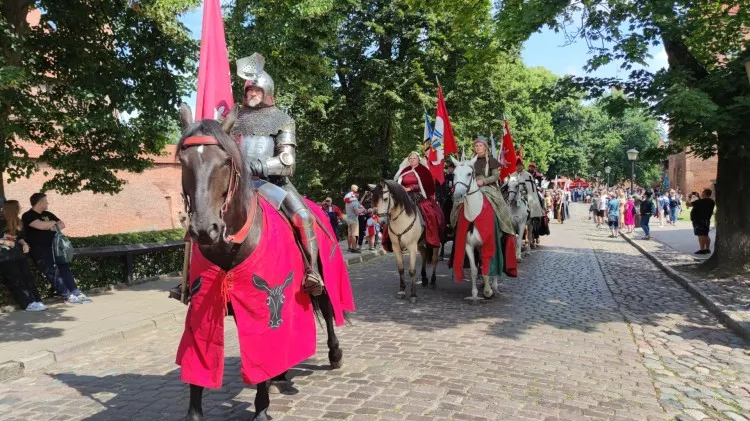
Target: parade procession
(371,211)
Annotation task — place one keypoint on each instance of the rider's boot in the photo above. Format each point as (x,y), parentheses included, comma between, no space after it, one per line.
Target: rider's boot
(303,221)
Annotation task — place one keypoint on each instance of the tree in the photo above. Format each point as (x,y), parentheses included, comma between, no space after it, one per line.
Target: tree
(66,81)
(704,94)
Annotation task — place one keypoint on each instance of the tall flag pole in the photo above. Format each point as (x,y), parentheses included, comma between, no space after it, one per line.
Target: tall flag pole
(493,147)
(214,81)
(507,153)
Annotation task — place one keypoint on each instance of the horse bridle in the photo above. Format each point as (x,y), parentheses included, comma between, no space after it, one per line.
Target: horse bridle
(234,181)
(468,186)
(515,192)
(388,213)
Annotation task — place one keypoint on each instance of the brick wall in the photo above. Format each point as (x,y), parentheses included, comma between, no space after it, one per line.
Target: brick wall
(690,173)
(149,201)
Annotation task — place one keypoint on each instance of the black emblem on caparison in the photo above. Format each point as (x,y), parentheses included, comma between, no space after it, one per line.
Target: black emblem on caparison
(275,299)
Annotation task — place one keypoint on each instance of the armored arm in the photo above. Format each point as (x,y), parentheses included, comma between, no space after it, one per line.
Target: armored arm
(284,160)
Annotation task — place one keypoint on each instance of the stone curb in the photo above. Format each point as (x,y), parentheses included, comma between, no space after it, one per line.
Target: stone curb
(724,314)
(43,359)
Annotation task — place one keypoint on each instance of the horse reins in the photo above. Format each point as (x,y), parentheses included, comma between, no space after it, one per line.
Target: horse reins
(403,209)
(234,181)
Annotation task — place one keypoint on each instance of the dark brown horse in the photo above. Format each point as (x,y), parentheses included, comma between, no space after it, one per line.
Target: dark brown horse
(218,198)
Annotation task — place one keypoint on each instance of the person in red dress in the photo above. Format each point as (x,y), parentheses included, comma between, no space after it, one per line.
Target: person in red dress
(417,180)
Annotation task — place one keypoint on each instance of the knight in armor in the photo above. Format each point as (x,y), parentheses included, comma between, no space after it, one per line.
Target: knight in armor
(418,181)
(267,139)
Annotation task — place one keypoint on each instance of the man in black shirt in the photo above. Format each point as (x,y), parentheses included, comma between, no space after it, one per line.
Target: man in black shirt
(700,215)
(40,227)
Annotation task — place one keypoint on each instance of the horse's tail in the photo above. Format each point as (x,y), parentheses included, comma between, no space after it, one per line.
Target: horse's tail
(318,310)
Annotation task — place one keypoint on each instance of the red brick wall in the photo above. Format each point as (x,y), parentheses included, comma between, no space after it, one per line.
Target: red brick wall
(690,173)
(149,201)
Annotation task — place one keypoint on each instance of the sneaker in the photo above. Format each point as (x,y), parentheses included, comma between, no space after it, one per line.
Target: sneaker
(72,299)
(34,307)
(84,299)
(700,252)
(356,251)
(41,305)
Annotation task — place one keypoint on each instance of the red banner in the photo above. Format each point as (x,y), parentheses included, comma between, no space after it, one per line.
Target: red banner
(507,154)
(214,82)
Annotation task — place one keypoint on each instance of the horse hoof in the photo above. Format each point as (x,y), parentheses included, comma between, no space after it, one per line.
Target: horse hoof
(261,416)
(433,285)
(278,388)
(194,416)
(336,359)
(401,295)
(425,282)
(413,300)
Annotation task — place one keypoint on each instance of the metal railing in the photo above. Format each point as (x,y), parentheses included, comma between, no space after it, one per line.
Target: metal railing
(127,251)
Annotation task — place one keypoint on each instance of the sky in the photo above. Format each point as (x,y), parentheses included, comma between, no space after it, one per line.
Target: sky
(545,49)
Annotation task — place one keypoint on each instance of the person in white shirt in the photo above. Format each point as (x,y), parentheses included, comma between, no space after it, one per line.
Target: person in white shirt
(352,218)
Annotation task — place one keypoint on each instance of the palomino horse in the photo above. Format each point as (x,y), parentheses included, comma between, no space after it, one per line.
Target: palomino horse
(227,221)
(478,235)
(406,232)
(519,210)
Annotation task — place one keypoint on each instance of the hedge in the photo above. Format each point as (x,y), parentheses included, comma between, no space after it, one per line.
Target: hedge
(94,272)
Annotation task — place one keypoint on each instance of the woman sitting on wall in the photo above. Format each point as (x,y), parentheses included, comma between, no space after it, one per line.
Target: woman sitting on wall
(14,264)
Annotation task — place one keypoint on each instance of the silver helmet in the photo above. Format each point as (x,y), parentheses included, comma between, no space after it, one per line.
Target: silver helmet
(251,69)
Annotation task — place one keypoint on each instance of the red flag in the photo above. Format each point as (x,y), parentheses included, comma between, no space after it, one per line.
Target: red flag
(449,141)
(507,154)
(214,82)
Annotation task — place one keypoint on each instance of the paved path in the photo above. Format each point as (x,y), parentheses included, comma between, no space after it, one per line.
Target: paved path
(589,331)
(679,237)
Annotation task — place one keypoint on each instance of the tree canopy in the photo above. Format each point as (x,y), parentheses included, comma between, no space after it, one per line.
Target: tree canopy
(358,77)
(95,82)
(704,93)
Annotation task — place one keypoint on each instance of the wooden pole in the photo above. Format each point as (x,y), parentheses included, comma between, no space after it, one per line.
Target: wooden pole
(184,220)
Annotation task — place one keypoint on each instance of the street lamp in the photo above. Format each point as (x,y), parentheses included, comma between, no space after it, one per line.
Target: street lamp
(607,170)
(632,156)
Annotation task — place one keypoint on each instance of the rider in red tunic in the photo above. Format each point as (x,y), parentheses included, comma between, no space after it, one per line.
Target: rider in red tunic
(417,180)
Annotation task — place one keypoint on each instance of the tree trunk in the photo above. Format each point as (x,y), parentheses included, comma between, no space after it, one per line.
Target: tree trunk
(732,246)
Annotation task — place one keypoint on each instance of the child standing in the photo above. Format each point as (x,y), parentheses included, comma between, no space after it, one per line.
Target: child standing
(372,228)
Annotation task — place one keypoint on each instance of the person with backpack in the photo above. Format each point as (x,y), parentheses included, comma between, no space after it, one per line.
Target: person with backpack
(41,227)
(647,210)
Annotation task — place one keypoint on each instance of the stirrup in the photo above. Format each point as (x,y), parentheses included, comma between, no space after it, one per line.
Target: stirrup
(313,283)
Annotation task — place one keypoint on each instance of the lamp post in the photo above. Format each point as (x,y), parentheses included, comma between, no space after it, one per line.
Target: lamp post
(607,170)
(599,177)
(632,156)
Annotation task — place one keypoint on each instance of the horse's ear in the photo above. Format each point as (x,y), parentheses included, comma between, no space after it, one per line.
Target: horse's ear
(230,119)
(261,283)
(455,161)
(474,160)
(186,116)
(371,186)
(288,280)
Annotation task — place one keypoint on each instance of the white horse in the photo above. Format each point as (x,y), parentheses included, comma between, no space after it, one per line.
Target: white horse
(518,202)
(466,190)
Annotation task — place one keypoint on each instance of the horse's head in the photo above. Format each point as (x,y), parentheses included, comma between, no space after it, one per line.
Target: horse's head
(212,176)
(463,178)
(381,198)
(389,196)
(517,191)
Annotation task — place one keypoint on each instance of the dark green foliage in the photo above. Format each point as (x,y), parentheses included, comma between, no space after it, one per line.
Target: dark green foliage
(143,237)
(68,83)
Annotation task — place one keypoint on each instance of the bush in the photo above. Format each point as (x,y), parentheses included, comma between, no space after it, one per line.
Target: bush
(95,272)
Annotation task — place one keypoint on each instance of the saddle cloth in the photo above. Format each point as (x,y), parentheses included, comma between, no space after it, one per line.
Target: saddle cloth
(274,316)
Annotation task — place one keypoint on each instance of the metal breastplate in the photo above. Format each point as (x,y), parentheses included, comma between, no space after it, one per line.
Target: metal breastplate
(258,146)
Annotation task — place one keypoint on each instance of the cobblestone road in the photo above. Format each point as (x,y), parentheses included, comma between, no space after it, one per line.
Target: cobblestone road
(589,331)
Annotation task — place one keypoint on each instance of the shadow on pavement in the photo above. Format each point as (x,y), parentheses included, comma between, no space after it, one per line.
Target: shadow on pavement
(27,326)
(165,397)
